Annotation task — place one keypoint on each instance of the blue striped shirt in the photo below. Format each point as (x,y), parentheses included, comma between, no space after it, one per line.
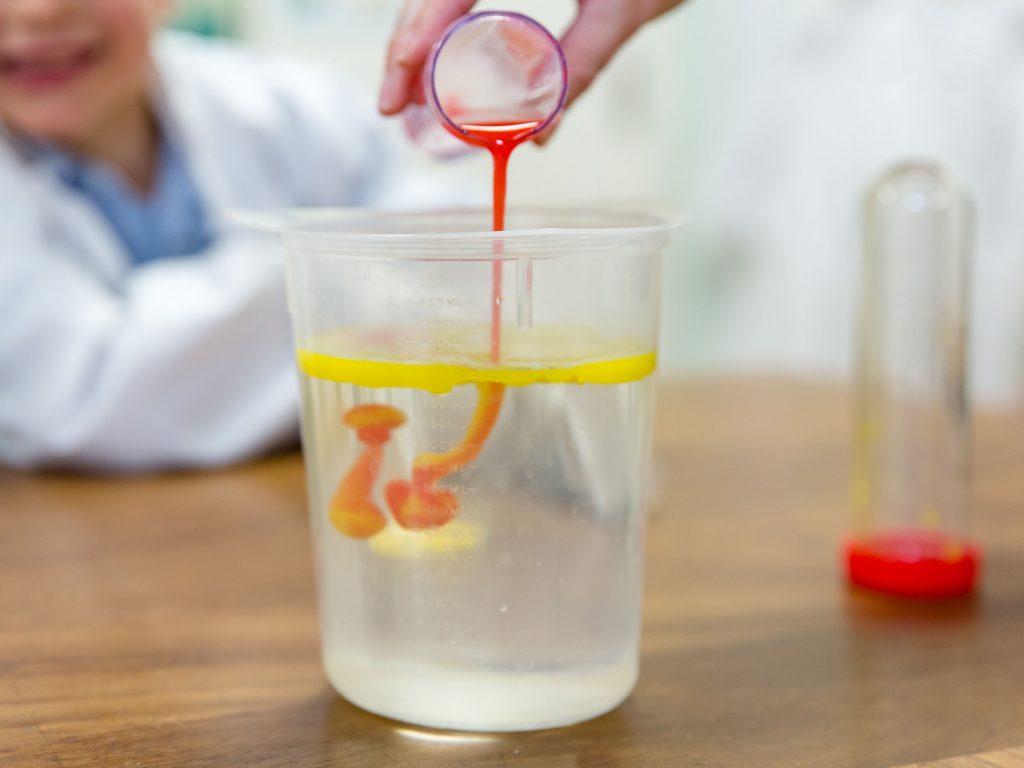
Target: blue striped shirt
(170,221)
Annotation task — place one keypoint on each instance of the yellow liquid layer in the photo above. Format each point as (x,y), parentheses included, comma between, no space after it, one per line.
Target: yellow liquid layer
(439,378)
(534,360)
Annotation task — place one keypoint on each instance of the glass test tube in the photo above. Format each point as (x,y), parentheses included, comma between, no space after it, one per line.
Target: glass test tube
(910,484)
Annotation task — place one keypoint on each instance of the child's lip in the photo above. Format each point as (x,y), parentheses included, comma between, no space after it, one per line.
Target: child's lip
(46,67)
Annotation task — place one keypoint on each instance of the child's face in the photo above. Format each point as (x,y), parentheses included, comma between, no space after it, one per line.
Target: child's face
(69,68)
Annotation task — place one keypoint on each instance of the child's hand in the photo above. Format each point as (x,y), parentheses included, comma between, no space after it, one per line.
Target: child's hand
(600,29)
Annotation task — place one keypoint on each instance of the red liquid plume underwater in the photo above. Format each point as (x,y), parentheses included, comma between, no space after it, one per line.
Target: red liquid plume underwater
(421,503)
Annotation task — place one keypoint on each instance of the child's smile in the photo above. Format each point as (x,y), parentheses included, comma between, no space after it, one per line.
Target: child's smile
(77,73)
(48,64)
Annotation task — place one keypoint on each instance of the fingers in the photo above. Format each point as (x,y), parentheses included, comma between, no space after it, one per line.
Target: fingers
(599,30)
(419,25)
(544,136)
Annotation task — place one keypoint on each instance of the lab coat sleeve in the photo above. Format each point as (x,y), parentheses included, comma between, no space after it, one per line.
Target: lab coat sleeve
(188,362)
(187,365)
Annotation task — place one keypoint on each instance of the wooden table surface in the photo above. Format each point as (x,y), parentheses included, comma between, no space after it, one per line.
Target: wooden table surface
(169,621)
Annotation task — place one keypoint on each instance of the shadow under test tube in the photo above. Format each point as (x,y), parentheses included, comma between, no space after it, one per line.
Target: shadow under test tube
(910,484)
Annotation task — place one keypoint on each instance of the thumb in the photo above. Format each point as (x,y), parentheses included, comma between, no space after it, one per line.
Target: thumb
(595,36)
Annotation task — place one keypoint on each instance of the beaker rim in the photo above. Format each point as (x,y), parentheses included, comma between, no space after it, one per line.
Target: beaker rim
(533,231)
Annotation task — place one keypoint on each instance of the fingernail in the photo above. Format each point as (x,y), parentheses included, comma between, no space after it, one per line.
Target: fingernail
(403,47)
(405,55)
(388,103)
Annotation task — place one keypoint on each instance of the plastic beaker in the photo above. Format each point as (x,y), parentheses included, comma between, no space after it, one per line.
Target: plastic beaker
(492,68)
(478,524)
(911,529)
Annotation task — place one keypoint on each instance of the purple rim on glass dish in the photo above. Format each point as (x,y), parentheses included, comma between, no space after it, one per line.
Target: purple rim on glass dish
(546,69)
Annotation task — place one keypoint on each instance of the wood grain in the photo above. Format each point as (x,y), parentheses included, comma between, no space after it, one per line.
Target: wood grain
(1006,758)
(169,621)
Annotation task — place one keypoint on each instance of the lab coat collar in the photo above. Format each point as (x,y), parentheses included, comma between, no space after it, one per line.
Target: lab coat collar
(183,125)
(64,213)
(48,169)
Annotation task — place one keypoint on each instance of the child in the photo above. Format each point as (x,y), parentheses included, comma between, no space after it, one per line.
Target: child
(139,331)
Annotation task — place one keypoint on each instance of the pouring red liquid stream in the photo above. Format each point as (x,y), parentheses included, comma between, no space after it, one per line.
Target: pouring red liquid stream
(500,140)
(420,504)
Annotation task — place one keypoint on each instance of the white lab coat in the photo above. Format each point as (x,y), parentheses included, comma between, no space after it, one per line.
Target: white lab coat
(184,361)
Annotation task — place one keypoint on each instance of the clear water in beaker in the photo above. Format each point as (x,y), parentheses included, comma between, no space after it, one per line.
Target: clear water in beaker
(478,521)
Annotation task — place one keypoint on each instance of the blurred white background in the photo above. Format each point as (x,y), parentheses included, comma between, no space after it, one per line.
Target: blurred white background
(764,120)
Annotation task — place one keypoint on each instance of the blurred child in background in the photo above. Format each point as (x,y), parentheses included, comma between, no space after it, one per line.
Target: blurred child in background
(139,331)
